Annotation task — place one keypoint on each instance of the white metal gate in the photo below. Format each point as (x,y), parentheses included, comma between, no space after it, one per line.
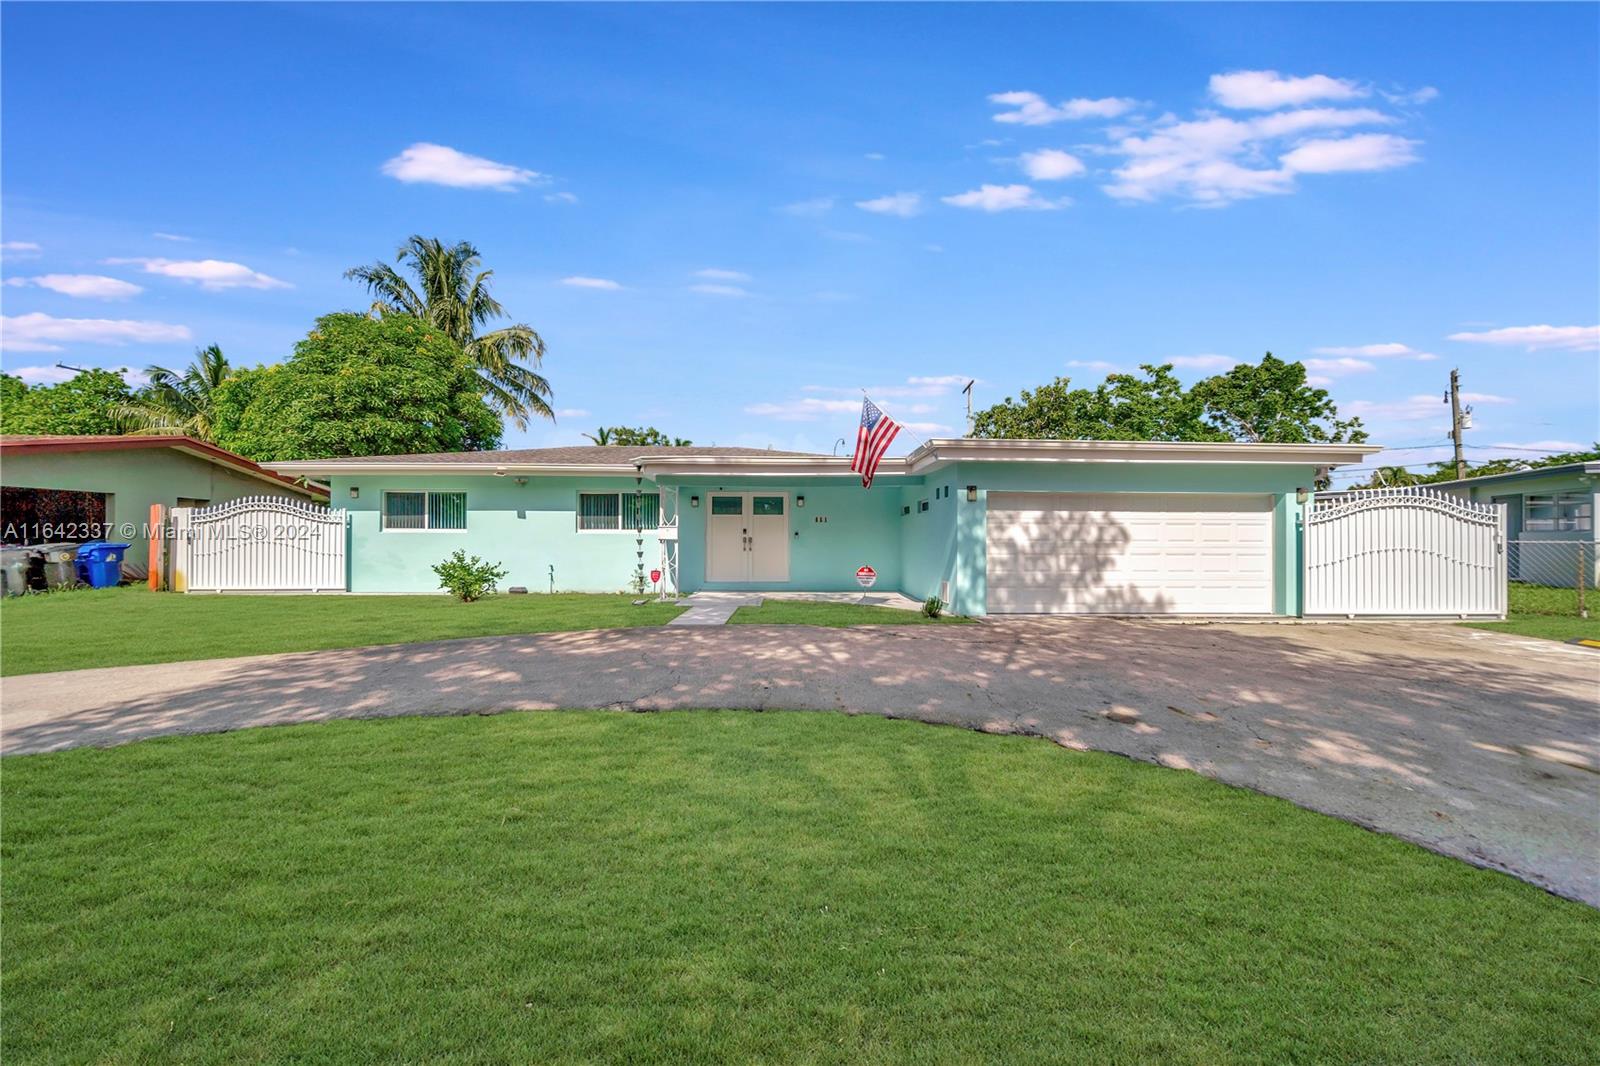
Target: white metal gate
(1411,552)
(258,544)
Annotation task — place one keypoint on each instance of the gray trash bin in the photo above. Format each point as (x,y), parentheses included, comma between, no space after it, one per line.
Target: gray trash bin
(60,565)
(14,565)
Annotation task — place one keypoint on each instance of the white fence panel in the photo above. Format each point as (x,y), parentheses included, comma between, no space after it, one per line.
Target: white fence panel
(1410,552)
(258,544)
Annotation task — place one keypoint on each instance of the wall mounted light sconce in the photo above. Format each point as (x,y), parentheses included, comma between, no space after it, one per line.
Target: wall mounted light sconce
(694,501)
(972,494)
(499,471)
(522,481)
(799,501)
(355,492)
(1301,495)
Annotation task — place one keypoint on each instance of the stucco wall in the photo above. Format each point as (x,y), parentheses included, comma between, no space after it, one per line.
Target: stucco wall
(132,481)
(840,528)
(530,529)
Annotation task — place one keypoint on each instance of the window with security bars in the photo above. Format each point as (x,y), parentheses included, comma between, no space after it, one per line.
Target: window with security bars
(424,510)
(600,511)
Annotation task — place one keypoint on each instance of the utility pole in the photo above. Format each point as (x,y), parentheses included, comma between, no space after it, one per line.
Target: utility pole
(1455,422)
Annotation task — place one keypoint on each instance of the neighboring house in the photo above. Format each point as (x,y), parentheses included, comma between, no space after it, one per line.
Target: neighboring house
(990,526)
(1549,513)
(101,487)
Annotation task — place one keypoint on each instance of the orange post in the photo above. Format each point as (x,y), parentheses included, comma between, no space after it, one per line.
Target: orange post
(158,546)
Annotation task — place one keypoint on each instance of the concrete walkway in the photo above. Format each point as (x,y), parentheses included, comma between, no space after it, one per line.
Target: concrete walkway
(715,608)
(1474,744)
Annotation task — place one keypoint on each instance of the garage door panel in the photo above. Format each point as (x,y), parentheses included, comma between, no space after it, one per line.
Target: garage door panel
(1129,553)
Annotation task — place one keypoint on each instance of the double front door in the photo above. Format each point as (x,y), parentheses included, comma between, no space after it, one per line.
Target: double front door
(747,537)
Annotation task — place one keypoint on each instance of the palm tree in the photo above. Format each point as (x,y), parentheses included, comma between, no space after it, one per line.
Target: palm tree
(179,403)
(1393,477)
(454,297)
(600,436)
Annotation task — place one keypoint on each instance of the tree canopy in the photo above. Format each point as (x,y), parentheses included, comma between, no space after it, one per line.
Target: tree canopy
(453,296)
(1269,402)
(636,437)
(86,404)
(358,385)
(1394,476)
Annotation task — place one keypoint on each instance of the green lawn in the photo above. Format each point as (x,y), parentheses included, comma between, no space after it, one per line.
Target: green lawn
(116,627)
(811,613)
(738,887)
(1552,613)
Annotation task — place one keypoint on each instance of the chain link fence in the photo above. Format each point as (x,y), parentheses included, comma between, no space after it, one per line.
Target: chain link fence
(1553,577)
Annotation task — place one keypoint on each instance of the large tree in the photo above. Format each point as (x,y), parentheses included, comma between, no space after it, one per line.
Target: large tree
(355,386)
(184,402)
(1150,406)
(1269,402)
(87,403)
(452,294)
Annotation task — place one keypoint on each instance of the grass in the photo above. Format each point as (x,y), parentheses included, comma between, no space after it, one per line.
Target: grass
(815,613)
(739,887)
(119,627)
(1551,613)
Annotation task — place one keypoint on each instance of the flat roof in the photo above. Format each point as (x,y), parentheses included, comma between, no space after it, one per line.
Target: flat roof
(1589,467)
(929,455)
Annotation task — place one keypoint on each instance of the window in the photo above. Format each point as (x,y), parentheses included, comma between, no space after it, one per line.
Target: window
(922,505)
(1566,513)
(767,505)
(425,510)
(601,511)
(727,505)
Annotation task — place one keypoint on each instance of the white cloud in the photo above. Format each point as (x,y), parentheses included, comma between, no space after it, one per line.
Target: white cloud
(875,156)
(1267,90)
(1386,350)
(1543,446)
(43,375)
(915,387)
(927,427)
(571,412)
(1051,164)
(933,247)
(1329,368)
(38,332)
(560,198)
(436,164)
(1535,338)
(716,274)
(1204,362)
(1363,151)
(1422,407)
(1214,160)
(20,248)
(87,286)
(1002,198)
(578,281)
(814,208)
(719,290)
(1099,365)
(1425,95)
(212,274)
(900,204)
(158,235)
(1031,109)
(812,408)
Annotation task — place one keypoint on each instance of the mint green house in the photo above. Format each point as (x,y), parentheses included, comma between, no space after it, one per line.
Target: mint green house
(989,526)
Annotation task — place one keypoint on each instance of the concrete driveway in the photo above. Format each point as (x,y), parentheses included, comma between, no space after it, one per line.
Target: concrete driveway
(1473,744)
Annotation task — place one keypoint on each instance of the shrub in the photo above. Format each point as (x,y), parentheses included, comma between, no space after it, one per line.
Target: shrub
(932,607)
(468,579)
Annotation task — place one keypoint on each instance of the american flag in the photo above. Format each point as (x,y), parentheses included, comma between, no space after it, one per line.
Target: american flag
(873,438)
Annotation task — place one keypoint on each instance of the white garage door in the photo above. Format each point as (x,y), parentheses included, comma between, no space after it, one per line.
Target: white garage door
(1129,553)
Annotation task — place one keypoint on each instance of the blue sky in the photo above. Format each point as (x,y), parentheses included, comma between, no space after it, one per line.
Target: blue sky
(726,220)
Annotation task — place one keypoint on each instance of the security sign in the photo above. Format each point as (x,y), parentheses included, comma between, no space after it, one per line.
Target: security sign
(866,577)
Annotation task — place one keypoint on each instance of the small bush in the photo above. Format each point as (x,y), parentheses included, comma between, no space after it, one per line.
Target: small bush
(468,579)
(932,607)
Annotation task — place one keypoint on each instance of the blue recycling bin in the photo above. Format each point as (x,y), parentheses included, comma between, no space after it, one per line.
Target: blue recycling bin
(100,563)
